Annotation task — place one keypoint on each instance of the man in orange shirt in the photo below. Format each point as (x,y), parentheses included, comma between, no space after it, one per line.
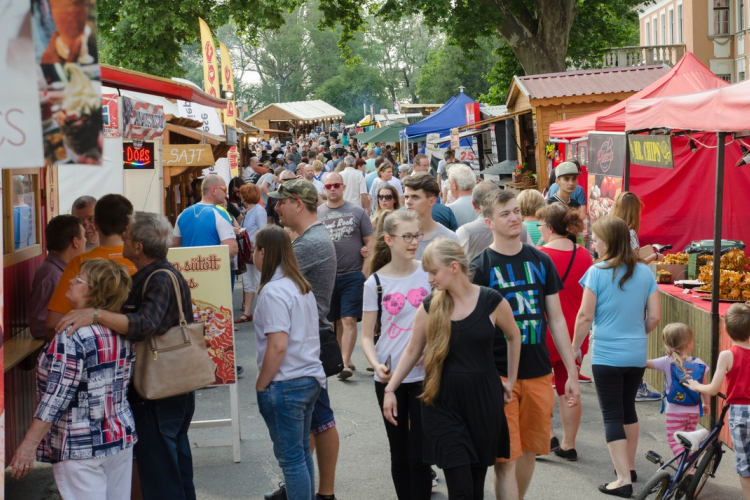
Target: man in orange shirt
(111,217)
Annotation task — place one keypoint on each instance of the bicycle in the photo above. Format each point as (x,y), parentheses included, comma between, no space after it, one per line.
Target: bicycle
(681,485)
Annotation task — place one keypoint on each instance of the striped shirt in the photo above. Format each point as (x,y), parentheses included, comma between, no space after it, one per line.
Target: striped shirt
(82,386)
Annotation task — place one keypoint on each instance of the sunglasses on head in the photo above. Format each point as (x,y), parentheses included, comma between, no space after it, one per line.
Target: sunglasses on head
(335,185)
(387,197)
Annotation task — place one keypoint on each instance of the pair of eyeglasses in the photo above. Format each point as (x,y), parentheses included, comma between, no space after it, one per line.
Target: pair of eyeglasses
(387,197)
(335,185)
(408,237)
(78,279)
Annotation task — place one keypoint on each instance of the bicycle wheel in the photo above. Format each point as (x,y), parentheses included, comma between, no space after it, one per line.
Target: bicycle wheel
(705,469)
(656,487)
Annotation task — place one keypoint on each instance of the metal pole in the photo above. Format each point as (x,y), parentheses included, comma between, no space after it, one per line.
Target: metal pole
(715,318)
(626,172)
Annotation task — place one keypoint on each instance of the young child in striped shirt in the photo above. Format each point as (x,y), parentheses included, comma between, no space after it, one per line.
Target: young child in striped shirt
(681,416)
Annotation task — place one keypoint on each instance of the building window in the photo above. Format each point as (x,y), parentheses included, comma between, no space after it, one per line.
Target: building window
(648,33)
(721,17)
(726,78)
(656,31)
(671,26)
(740,70)
(740,15)
(663,20)
(679,24)
(23,212)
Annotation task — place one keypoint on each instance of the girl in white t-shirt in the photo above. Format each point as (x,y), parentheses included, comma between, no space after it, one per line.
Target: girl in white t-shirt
(404,286)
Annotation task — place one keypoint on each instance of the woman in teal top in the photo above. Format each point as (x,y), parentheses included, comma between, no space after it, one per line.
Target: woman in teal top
(529,201)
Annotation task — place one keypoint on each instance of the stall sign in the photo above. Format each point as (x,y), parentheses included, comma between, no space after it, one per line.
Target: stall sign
(110,115)
(188,155)
(142,120)
(138,158)
(233,156)
(473,114)
(651,150)
(606,154)
(20,121)
(455,141)
(231,136)
(206,269)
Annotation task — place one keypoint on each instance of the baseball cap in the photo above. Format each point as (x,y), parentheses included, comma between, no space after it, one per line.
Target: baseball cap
(566,168)
(297,189)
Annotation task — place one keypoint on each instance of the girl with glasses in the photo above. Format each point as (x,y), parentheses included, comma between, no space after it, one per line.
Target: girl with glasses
(386,199)
(403,285)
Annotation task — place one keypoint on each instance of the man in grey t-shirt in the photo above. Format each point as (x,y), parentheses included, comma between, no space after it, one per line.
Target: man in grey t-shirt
(316,256)
(352,234)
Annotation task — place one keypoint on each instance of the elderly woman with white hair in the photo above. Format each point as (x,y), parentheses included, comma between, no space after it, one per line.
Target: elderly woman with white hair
(461,181)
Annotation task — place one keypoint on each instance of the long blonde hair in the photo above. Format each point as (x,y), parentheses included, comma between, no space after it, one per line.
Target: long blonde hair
(440,253)
(676,337)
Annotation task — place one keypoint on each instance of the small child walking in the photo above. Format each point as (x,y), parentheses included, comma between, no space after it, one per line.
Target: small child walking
(734,365)
(682,406)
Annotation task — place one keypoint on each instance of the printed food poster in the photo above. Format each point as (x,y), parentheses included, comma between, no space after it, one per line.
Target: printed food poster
(603,190)
(206,270)
(68,80)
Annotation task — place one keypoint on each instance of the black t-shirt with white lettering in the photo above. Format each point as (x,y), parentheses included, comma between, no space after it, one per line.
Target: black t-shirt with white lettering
(524,280)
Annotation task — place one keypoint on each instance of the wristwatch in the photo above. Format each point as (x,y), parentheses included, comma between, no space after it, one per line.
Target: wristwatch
(96,316)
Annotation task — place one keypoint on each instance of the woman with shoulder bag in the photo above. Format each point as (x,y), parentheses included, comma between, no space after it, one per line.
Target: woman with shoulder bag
(403,286)
(290,373)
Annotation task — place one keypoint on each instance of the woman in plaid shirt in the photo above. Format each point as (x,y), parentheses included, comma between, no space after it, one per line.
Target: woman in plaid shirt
(83,424)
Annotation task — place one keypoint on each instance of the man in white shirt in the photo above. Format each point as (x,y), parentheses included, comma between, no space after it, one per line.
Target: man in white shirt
(462,180)
(355,186)
(420,194)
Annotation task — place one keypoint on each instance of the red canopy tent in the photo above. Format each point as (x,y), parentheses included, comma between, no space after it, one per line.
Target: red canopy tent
(688,75)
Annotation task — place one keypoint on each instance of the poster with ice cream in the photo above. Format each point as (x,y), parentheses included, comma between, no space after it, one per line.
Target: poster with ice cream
(70,82)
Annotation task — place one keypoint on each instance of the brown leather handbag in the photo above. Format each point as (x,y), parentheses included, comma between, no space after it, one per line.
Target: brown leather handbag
(175,362)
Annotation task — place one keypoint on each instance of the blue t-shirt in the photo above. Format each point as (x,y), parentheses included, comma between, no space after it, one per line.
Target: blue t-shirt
(577,194)
(203,225)
(619,331)
(445,216)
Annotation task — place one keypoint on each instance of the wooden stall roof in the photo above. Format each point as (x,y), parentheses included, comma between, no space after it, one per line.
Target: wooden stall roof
(569,87)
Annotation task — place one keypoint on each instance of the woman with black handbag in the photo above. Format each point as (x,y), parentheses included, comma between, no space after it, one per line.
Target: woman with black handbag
(392,295)
(290,374)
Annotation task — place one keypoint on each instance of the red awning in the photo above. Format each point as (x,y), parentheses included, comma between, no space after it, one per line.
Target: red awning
(135,81)
(687,76)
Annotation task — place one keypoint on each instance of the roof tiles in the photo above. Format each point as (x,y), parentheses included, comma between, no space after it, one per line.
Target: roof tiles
(591,82)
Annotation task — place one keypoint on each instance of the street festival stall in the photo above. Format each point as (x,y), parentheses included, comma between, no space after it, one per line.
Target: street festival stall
(716,123)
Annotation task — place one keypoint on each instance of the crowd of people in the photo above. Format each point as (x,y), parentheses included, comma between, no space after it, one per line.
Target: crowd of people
(476,309)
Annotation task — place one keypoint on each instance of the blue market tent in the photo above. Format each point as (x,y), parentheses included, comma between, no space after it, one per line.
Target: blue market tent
(451,115)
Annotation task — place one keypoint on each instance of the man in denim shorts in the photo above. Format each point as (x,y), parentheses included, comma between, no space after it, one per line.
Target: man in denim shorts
(352,235)
(316,255)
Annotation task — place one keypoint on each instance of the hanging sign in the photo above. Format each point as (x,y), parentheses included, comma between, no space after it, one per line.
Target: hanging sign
(651,150)
(606,154)
(455,141)
(142,120)
(138,158)
(233,156)
(188,155)
(110,115)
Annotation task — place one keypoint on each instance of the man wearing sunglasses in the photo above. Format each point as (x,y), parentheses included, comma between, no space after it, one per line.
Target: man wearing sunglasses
(352,235)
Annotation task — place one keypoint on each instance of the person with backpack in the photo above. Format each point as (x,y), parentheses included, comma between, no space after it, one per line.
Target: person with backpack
(392,295)
(683,406)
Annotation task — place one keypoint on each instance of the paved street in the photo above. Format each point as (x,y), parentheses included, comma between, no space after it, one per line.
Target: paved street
(363,471)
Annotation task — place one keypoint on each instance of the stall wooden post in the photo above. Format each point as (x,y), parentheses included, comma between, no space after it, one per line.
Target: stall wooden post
(718,209)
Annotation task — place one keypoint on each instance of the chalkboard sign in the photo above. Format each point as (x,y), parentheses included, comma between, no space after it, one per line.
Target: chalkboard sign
(606,154)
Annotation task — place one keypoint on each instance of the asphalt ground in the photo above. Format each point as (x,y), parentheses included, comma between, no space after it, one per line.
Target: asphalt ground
(363,471)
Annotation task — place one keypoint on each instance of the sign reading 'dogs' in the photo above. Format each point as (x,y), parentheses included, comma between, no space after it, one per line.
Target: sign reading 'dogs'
(651,150)
(606,154)
(138,158)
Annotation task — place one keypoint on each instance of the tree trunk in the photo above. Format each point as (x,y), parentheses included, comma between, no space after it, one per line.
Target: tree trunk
(540,43)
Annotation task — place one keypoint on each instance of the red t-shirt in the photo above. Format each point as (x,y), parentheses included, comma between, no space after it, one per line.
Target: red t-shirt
(738,378)
(572,293)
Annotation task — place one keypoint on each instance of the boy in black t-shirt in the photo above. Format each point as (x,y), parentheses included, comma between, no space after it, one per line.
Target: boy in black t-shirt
(527,278)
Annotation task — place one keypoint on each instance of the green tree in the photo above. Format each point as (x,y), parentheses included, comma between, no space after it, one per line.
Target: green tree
(451,67)
(353,87)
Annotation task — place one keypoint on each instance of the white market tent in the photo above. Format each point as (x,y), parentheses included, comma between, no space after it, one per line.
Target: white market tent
(280,115)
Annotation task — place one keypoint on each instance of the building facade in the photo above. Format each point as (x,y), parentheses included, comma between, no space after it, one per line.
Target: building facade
(715,31)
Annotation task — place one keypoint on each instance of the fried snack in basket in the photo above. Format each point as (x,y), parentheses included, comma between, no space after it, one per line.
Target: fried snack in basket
(680,259)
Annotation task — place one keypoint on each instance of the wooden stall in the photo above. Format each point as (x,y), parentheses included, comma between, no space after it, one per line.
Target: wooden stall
(539,100)
(294,118)
(689,308)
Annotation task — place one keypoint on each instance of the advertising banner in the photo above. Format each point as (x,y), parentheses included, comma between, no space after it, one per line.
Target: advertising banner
(205,114)
(142,120)
(473,114)
(210,65)
(110,115)
(227,82)
(206,270)
(20,122)
(606,154)
(233,156)
(69,80)
(651,150)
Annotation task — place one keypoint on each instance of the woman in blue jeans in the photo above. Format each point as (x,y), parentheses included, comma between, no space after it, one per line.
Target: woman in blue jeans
(617,289)
(290,373)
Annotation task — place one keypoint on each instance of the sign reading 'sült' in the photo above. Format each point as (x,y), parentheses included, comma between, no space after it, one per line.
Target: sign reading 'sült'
(651,150)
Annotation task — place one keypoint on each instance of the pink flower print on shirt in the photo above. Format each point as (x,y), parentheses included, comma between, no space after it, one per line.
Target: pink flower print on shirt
(394,303)
(416,296)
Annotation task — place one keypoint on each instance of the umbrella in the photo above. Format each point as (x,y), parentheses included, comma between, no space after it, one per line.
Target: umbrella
(389,133)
